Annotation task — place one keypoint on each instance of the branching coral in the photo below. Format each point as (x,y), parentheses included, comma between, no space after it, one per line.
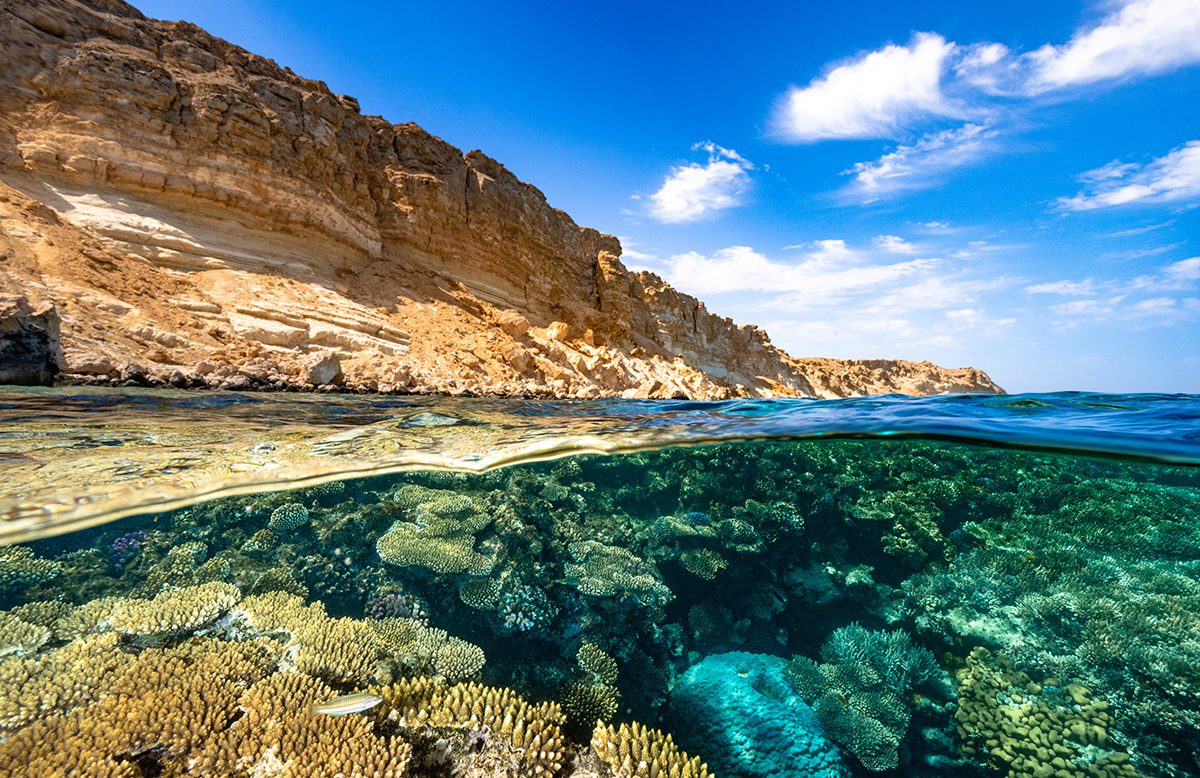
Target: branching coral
(634,751)
(174,611)
(859,691)
(19,569)
(20,637)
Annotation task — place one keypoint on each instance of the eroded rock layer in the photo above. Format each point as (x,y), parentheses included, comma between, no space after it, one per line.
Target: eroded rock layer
(199,215)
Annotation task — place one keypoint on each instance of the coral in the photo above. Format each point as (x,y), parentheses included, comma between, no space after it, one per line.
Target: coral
(57,682)
(703,562)
(1011,723)
(457,659)
(524,608)
(596,663)
(739,714)
(19,569)
(634,751)
(406,545)
(587,703)
(261,542)
(533,731)
(174,611)
(125,547)
(859,691)
(20,637)
(480,593)
(605,571)
(340,650)
(279,736)
(425,648)
(287,518)
(395,605)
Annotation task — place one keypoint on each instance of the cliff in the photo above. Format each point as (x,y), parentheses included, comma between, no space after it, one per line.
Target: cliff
(194,214)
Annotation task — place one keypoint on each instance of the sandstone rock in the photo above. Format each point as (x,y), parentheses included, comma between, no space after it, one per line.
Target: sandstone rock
(30,351)
(322,367)
(181,201)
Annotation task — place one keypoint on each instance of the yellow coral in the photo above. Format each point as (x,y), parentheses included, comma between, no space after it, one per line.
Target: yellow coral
(634,751)
(406,545)
(175,610)
(279,735)
(20,637)
(457,659)
(337,649)
(587,703)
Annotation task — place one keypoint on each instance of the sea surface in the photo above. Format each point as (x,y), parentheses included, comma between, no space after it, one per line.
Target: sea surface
(321,585)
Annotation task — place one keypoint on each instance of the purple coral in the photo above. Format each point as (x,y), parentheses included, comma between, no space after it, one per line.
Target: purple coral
(395,605)
(126,547)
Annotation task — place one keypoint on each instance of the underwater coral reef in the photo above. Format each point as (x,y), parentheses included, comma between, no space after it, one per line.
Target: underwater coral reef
(771,609)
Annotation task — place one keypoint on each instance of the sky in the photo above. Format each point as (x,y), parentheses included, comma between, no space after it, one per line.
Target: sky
(1012,186)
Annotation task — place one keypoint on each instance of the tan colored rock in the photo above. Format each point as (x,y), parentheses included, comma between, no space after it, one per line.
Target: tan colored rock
(196,213)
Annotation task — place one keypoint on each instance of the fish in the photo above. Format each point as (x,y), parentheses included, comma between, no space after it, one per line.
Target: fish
(347,703)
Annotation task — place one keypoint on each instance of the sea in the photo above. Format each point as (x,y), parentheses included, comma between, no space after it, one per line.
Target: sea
(228,584)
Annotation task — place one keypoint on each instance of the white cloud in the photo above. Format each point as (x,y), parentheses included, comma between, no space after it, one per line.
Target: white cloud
(1171,178)
(1138,38)
(1145,300)
(694,191)
(1065,288)
(828,271)
(894,244)
(921,164)
(876,95)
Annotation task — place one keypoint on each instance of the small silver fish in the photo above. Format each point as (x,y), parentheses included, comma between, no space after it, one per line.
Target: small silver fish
(347,703)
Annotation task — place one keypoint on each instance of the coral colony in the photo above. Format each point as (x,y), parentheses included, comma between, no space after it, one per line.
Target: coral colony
(704,611)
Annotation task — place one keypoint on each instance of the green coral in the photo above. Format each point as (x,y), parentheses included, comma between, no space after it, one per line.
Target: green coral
(859,690)
(20,568)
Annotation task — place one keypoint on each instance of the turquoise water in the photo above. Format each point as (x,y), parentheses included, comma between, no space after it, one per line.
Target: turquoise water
(886,586)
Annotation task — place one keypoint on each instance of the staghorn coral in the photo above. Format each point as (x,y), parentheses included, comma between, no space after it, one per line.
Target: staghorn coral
(280,736)
(635,751)
(174,611)
(429,649)
(407,545)
(457,659)
(532,730)
(340,650)
(605,571)
(587,703)
(56,682)
(480,593)
(287,518)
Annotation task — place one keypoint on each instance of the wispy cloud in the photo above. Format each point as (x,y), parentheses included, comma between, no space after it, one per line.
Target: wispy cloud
(836,298)
(1161,298)
(1174,177)
(695,191)
(876,95)
(1141,37)
(921,164)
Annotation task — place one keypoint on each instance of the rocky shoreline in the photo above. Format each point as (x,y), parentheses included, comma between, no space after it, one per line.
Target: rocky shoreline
(197,215)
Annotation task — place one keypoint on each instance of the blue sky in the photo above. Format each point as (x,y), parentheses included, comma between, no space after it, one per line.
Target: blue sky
(1012,186)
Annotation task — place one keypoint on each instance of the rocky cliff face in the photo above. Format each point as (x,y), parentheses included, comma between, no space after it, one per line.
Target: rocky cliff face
(199,215)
